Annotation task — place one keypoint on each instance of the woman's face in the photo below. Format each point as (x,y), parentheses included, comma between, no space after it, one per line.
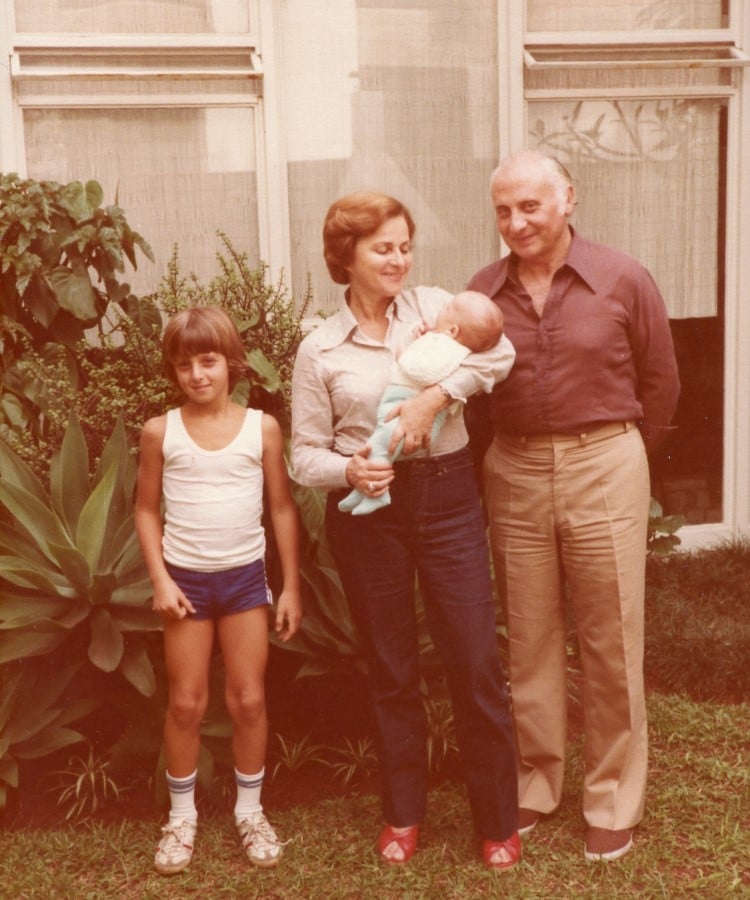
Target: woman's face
(382,261)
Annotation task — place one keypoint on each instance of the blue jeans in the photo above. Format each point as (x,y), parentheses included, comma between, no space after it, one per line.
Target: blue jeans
(433,529)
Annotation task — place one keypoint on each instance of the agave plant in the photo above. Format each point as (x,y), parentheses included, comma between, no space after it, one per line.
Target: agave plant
(72,578)
(35,716)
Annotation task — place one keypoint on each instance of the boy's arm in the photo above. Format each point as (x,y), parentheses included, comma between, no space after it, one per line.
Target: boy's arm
(168,598)
(283,512)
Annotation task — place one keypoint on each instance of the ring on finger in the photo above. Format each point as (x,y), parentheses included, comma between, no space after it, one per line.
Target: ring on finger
(370,486)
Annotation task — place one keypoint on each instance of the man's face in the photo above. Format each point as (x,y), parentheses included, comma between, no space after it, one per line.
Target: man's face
(532,209)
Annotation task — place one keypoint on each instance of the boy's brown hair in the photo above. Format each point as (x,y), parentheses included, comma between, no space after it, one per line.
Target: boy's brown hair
(203,329)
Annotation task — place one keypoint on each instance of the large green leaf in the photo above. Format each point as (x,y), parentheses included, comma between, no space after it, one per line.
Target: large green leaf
(69,475)
(137,669)
(19,544)
(106,647)
(47,742)
(74,567)
(92,523)
(74,293)
(27,575)
(18,644)
(133,618)
(36,517)
(15,470)
(22,610)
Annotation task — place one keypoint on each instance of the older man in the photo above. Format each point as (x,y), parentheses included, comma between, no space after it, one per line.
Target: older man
(566,477)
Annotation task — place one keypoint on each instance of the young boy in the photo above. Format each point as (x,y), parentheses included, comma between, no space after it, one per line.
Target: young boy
(468,323)
(212,460)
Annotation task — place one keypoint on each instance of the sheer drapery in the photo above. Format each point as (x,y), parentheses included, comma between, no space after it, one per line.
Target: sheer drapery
(622,15)
(133,16)
(180,175)
(649,169)
(400,98)
(647,174)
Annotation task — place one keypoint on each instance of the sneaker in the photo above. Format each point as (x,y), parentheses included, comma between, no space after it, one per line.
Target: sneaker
(601,843)
(175,847)
(259,840)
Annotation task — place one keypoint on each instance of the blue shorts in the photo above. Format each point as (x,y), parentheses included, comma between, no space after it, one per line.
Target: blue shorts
(217,594)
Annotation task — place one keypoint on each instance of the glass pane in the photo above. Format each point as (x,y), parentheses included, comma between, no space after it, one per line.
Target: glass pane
(656,163)
(133,16)
(406,103)
(650,178)
(623,15)
(175,174)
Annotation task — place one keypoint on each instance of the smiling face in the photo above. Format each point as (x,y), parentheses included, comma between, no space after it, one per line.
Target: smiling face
(532,206)
(202,378)
(381,261)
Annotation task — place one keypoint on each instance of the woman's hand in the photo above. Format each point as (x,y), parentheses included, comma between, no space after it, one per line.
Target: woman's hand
(416,416)
(371,477)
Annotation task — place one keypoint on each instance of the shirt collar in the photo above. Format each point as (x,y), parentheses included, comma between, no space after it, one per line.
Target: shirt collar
(342,326)
(578,259)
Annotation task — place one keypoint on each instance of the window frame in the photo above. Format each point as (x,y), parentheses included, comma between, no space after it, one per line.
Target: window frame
(140,57)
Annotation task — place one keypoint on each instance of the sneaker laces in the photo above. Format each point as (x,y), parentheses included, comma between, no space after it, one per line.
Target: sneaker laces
(177,837)
(256,832)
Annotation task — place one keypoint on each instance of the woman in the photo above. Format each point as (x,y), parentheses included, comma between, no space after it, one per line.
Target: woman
(433,526)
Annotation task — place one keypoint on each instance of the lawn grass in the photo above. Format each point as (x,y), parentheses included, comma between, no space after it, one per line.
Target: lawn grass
(694,840)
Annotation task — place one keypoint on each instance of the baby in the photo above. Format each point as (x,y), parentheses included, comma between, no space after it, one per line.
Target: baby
(468,323)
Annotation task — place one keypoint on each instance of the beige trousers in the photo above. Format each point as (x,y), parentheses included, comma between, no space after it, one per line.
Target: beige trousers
(568,522)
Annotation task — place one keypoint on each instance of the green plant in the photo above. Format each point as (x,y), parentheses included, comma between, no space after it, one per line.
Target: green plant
(295,755)
(84,786)
(354,758)
(267,317)
(35,715)
(661,537)
(697,637)
(327,640)
(61,255)
(441,732)
(72,579)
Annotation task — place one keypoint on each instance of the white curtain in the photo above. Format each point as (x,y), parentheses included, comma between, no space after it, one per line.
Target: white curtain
(132,16)
(179,174)
(400,98)
(622,15)
(647,175)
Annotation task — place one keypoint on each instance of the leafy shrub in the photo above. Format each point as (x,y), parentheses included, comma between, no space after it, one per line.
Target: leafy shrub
(61,257)
(698,622)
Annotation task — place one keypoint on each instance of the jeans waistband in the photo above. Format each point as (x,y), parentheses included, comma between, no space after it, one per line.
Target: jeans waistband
(446,462)
(579,439)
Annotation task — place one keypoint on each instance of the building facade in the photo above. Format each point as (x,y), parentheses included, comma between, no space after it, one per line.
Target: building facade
(250,116)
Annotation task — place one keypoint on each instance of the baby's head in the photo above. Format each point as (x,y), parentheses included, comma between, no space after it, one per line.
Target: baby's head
(472,319)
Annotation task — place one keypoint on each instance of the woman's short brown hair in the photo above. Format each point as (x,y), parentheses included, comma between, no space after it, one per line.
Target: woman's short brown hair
(203,329)
(352,217)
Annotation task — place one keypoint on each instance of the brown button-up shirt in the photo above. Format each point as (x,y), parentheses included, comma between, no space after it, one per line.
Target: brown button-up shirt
(601,351)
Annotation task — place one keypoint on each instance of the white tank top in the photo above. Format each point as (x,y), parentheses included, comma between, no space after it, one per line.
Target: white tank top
(213,498)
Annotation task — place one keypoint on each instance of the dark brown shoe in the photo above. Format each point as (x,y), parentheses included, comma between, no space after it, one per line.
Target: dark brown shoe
(601,843)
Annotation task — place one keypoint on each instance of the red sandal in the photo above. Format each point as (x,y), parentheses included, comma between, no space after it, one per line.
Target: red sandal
(406,840)
(510,848)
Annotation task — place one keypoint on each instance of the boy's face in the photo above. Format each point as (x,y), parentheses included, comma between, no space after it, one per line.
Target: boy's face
(203,377)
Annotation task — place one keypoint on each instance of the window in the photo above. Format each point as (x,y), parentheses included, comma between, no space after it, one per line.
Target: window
(170,119)
(640,101)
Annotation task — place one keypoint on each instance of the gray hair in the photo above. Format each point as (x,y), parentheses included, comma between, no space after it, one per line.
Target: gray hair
(558,174)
